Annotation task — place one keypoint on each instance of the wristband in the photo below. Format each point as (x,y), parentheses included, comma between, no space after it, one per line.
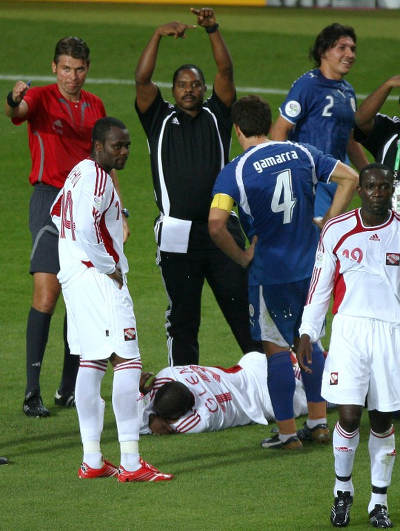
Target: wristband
(125,212)
(212,29)
(10,100)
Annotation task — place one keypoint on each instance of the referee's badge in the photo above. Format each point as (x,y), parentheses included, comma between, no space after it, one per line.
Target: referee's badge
(334,378)
(129,334)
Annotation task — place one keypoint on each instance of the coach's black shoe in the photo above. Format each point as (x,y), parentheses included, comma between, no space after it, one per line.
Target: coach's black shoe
(33,406)
(293,443)
(320,433)
(66,400)
(340,512)
(3,461)
(379,517)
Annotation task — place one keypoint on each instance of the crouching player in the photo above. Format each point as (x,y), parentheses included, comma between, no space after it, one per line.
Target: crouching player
(101,322)
(358,260)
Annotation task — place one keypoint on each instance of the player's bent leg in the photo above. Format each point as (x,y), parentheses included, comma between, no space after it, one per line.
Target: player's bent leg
(90,409)
(281,387)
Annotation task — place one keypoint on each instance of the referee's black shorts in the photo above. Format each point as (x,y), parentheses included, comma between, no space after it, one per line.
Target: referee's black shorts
(44,255)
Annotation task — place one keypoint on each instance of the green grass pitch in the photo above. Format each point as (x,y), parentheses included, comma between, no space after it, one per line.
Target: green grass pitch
(224,480)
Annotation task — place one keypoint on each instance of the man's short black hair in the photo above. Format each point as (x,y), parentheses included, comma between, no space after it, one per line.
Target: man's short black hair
(173,400)
(253,115)
(74,47)
(375,166)
(103,125)
(327,38)
(188,67)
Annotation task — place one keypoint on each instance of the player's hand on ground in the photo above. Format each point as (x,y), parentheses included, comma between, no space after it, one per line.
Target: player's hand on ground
(160,426)
(174,29)
(19,91)
(304,353)
(205,16)
(125,228)
(117,276)
(145,387)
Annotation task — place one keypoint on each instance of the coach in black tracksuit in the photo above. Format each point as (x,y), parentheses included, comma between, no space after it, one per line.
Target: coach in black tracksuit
(189,144)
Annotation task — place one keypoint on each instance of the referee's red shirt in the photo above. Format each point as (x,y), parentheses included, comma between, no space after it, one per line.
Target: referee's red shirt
(59,132)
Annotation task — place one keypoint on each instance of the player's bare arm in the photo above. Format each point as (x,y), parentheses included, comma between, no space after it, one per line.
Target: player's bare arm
(356,153)
(280,129)
(304,353)
(125,225)
(16,106)
(223,84)
(160,426)
(347,181)
(217,227)
(365,115)
(145,386)
(146,90)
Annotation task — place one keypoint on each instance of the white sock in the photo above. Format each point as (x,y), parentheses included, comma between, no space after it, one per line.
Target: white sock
(90,409)
(311,423)
(344,449)
(382,453)
(286,436)
(125,403)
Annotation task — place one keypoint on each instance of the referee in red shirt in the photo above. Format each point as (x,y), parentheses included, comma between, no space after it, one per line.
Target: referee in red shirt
(60,119)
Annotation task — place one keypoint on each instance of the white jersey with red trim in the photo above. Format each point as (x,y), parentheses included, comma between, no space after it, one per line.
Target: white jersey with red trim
(224,398)
(361,266)
(87,213)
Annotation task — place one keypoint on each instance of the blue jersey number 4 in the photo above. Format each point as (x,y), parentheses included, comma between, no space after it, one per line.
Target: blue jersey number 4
(282,199)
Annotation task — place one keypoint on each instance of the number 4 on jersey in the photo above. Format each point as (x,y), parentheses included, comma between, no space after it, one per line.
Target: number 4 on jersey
(66,210)
(283,187)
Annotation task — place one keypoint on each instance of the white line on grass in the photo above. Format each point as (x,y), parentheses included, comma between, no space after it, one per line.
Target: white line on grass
(111,81)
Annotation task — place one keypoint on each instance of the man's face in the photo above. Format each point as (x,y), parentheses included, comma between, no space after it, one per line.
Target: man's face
(113,154)
(338,59)
(376,192)
(189,90)
(71,74)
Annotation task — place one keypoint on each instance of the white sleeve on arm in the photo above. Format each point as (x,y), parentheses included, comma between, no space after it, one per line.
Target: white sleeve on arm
(320,291)
(89,212)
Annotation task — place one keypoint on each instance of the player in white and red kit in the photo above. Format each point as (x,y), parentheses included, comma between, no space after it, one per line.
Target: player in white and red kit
(358,260)
(216,397)
(60,119)
(101,322)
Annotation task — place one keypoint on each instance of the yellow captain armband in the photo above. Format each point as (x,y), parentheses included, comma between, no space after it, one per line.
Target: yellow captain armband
(223,202)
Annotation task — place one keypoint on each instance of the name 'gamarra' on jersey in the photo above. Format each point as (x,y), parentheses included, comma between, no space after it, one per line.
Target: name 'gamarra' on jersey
(273,185)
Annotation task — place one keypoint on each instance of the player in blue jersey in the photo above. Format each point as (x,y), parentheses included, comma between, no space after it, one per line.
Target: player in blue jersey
(273,185)
(319,108)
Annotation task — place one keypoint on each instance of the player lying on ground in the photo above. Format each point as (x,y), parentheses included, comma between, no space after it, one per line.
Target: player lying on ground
(194,399)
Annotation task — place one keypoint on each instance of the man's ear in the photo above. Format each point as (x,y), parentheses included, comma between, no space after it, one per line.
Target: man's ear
(238,131)
(98,146)
(53,67)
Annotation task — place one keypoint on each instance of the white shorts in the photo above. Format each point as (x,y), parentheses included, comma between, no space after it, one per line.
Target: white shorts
(363,363)
(100,317)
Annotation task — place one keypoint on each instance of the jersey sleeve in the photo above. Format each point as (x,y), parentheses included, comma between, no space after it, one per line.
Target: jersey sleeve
(91,205)
(226,183)
(153,117)
(324,164)
(194,421)
(295,106)
(221,111)
(320,290)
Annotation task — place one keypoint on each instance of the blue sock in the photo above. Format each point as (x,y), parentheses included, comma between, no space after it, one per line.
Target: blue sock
(312,382)
(281,384)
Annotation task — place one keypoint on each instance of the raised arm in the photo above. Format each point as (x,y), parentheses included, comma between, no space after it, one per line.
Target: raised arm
(223,83)
(365,115)
(146,90)
(15,106)
(280,129)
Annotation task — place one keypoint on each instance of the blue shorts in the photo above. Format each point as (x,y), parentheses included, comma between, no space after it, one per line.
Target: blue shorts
(276,311)
(323,198)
